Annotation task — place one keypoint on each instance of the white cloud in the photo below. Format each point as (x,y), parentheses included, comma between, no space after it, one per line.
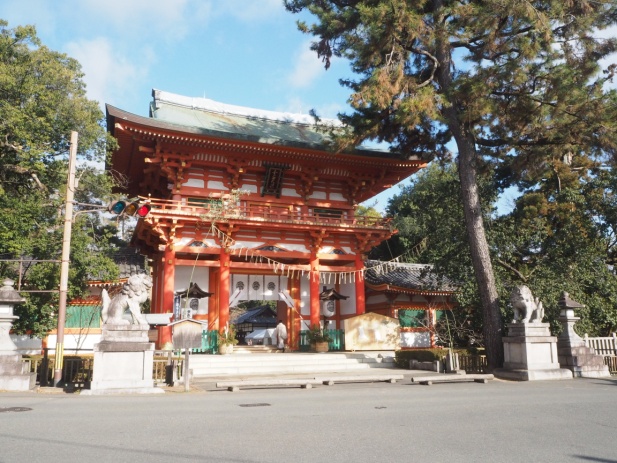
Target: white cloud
(307,68)
(165,19)
(109,75)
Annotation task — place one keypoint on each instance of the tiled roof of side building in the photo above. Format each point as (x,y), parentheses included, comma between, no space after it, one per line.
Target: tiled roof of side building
(262,314)
(406,276)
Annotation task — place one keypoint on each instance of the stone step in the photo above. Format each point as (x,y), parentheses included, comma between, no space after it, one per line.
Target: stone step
(263,364)
(275,370)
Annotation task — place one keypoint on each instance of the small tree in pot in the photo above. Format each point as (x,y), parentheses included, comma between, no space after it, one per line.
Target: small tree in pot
(227,339)
(318,338)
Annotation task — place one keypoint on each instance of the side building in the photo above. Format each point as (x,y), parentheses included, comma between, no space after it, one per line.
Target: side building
(412,294)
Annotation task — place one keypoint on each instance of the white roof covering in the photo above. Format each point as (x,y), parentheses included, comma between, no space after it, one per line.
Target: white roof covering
(260,334)
(223,108)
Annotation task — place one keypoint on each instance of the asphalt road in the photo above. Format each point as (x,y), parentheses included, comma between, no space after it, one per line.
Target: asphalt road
(541,421)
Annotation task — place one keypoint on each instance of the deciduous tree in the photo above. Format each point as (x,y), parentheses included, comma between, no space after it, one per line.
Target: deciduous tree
(42,100)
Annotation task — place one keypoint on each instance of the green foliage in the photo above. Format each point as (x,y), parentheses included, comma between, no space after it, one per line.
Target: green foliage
(317,334)
(560,237)
(227,336)
(42,100)
(514,85)
(370,212)
(552,241)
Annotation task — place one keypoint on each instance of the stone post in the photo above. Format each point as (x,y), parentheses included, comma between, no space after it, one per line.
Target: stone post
(12,375)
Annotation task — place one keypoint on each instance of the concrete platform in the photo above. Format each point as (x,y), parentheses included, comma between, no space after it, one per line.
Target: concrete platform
(306,383)
(452,378)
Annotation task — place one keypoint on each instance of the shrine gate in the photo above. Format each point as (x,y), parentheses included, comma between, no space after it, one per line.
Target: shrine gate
(250,204)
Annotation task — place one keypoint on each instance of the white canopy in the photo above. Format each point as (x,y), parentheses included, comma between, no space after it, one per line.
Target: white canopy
(261,334)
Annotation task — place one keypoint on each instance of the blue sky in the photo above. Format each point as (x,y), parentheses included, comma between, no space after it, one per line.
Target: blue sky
(241,52)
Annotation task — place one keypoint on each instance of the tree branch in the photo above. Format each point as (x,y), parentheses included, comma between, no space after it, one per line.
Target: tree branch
(507,266)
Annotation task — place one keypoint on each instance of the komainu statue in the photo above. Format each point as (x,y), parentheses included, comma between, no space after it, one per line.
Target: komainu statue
(526,308)
(134,292)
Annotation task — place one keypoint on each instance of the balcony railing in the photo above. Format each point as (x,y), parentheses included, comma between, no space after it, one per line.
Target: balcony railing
(263,213)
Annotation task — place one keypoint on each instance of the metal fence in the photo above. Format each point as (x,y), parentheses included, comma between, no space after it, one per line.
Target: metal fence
(77,371)
(167,367)
(209,343)
(336,344)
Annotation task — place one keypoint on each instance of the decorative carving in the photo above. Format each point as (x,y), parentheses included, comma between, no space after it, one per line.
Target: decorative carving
(526,308)
(134,292)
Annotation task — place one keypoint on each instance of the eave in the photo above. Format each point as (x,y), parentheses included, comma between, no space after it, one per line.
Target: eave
(145,142)
(385,288)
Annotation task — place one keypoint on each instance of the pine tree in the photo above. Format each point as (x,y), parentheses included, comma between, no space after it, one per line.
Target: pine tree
(515,84)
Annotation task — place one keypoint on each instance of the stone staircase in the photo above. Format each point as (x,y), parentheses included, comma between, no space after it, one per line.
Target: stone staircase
(243,363)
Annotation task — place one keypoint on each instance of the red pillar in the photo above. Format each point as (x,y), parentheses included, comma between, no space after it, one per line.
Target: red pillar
(213,302)
(224,289)
(168,282)
(154,297)
(314,289)
(360,294)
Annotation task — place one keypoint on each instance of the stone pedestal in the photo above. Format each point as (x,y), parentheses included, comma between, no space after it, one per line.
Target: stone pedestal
(12,375)
(123,362)
(530,354)
(574,355)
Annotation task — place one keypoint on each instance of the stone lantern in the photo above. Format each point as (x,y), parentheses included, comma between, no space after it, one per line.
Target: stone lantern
(12,376)
(573,354)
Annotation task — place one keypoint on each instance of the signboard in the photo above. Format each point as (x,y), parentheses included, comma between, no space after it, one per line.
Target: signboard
(187,333)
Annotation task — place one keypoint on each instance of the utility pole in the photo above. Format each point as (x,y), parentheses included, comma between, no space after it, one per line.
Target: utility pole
(64,264)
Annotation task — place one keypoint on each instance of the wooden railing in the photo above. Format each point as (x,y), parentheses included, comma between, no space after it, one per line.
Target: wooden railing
(602,345)
(259,213)
(611,362)
(605,346)
(472,363)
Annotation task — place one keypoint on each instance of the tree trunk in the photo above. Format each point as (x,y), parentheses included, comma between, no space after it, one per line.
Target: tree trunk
(480,255)
(472,209)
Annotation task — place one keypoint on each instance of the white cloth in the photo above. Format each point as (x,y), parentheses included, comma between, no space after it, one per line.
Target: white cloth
(281,335)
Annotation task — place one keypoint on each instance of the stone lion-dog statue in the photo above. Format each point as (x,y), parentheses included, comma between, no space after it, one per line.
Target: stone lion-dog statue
(134,292)
(526,308)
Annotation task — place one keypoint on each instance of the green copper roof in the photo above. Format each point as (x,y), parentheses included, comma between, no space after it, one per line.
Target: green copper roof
(201,115)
